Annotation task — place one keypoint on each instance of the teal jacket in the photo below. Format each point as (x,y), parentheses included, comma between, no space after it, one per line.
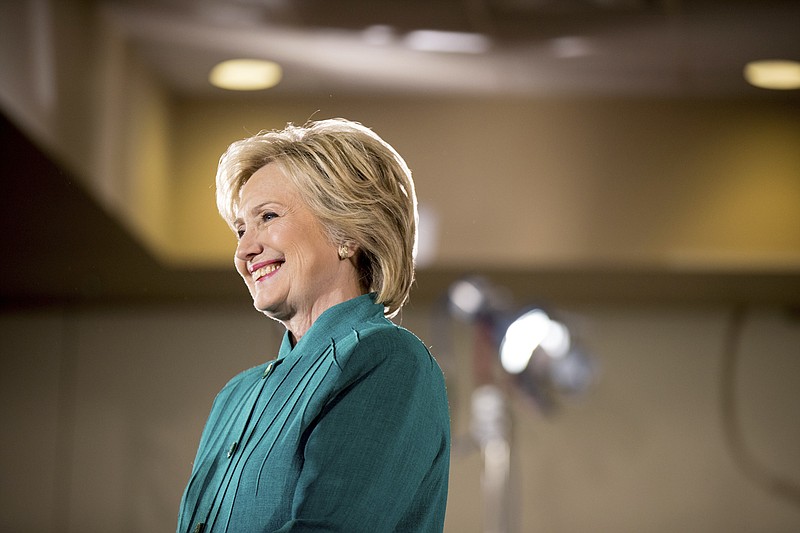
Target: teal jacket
(347,431)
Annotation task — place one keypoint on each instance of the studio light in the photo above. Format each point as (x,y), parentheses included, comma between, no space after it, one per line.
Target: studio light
(522,337)
(540,353)
(544,361)
(540,361)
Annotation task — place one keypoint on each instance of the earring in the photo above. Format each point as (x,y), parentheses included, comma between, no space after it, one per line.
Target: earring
(344,251)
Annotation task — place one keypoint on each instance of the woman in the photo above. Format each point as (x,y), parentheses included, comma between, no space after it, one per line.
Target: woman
(347,429)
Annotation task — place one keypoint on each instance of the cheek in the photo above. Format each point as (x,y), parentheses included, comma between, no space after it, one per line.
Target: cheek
(241,268)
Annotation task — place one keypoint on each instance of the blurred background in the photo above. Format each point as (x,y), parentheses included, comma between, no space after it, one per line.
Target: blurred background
(607,165)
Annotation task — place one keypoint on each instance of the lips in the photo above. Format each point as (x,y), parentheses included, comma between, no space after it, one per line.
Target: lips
(262,270)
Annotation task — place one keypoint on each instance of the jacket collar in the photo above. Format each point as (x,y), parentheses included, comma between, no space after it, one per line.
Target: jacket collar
(333,324)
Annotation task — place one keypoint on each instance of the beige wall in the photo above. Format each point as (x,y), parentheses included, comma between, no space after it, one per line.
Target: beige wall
(666,184)
(103,406)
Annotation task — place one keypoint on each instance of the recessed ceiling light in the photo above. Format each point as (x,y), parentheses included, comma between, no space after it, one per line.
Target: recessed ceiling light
(448,41)
(569,47)
(245,74)
(378,35)
(773,74)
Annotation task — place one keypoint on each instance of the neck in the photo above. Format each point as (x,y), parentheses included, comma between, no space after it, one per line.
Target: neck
(301,322)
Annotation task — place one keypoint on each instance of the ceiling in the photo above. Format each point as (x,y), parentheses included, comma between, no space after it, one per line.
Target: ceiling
(536,47)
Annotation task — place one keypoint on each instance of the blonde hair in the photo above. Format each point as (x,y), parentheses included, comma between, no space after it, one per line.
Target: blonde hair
(356,184)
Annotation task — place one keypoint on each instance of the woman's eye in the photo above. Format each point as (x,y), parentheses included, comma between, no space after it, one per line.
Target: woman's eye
(267,216)
(240,232)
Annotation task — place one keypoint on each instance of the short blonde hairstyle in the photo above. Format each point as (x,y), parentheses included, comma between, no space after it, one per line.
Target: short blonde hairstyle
(356,184)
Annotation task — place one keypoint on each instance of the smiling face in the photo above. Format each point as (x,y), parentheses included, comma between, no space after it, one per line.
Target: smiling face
(287,260)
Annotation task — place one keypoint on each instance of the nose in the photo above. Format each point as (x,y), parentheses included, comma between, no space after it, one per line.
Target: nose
(248,247)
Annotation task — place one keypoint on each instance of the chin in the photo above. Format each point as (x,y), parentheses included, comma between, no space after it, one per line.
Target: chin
(266,309)
(269,309)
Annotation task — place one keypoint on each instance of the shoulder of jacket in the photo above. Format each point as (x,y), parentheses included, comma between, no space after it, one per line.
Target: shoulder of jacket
(373,343)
